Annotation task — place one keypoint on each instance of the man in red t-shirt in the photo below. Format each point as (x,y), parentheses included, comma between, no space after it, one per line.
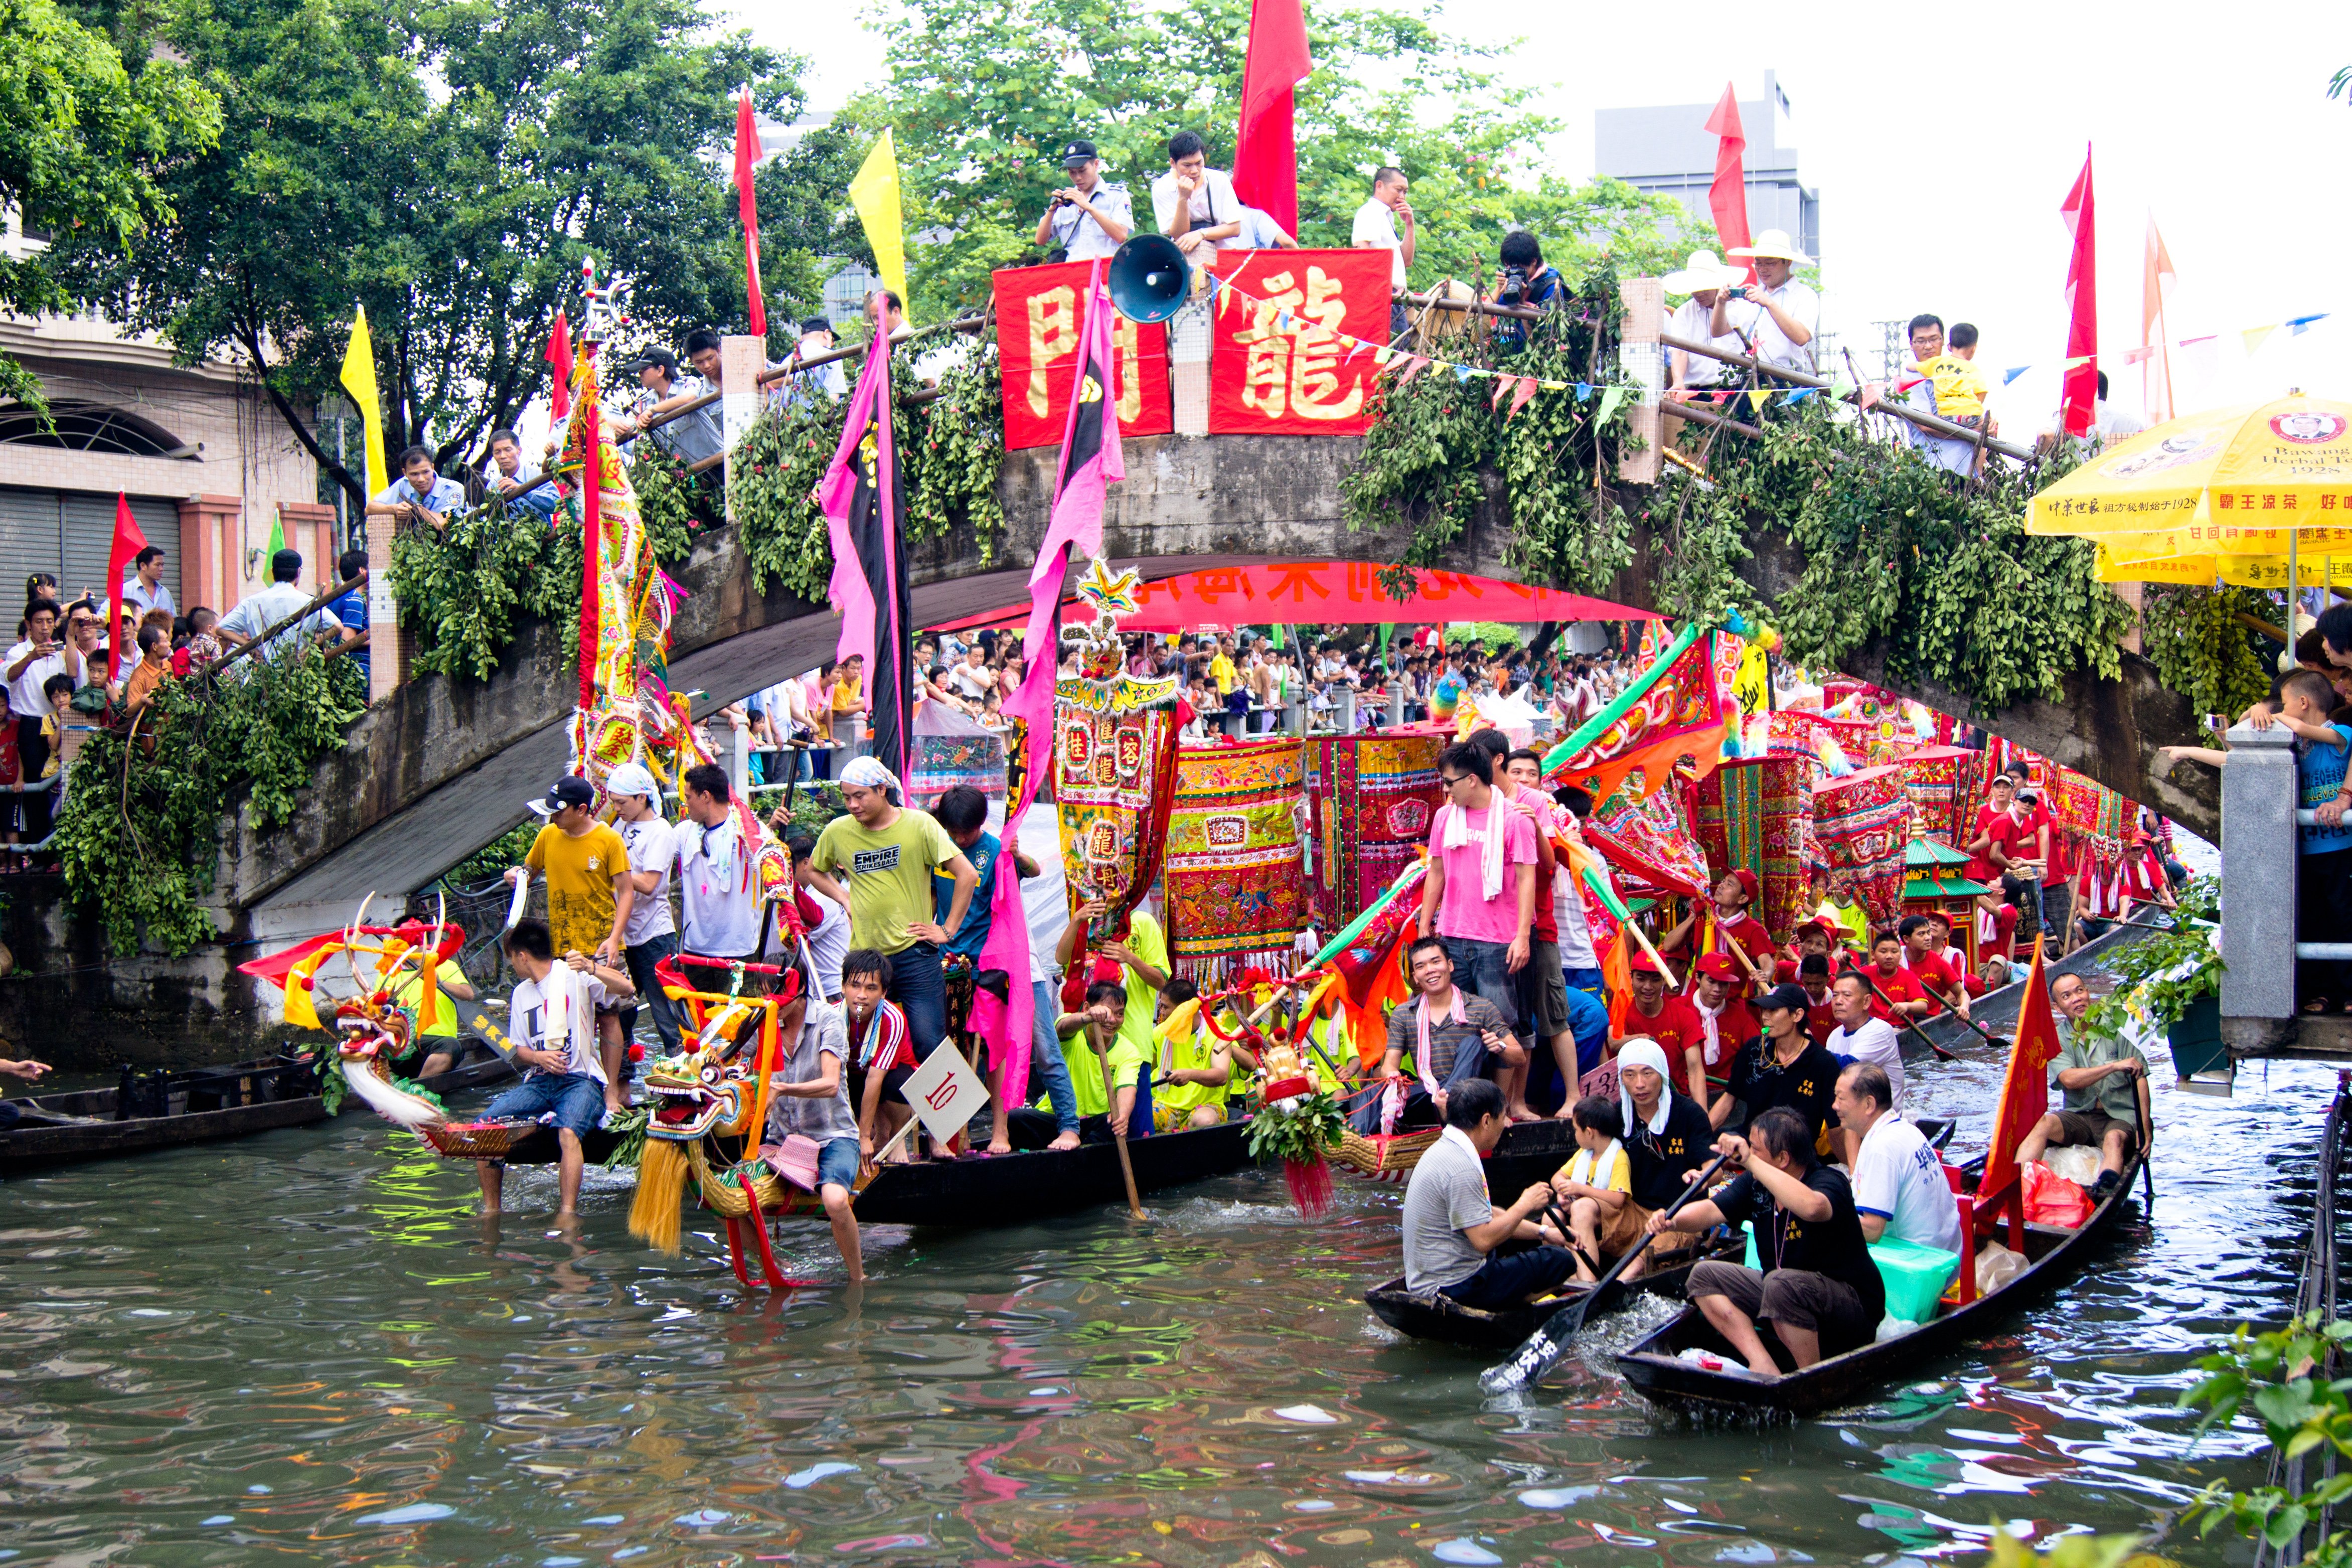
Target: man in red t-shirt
(1999,838)
(2043,843)
(1717,926)
(1652,1014)
(1715,997)
(1895,996)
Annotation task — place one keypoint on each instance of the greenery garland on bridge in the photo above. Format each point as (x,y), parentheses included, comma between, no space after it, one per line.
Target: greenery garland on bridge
(1891,545)
(139,835)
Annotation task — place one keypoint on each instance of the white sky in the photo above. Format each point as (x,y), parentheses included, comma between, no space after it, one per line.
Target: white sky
(1941,141)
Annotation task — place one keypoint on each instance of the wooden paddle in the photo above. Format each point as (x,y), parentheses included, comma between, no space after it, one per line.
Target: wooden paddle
(1125,1165)
(1548,1346)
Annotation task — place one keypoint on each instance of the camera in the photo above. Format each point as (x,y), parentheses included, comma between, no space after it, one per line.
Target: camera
(1514,286)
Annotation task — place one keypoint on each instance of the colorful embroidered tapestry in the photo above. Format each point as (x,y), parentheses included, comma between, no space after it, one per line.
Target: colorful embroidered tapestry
(2099,822)
(1370,799)
(950,750)
(1862,825)
(1682,717)
(1650,838)
(1236,893)
(1751,814)
(1114,782)
(1939,779)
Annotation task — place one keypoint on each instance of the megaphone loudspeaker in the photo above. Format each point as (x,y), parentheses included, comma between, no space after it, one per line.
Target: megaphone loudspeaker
(1150,279)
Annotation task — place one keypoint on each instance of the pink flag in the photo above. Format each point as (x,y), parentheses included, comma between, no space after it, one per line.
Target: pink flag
(1090,461)
(1726,198)
(2079,400)
(863,503)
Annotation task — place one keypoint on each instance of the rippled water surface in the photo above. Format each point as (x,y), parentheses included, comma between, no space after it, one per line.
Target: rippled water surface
(307,1346)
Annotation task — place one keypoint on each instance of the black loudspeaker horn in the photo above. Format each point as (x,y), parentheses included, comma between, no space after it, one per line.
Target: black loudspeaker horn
(1149,277)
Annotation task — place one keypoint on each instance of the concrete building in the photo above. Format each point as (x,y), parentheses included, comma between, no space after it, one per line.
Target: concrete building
(1667,151)
(205,461)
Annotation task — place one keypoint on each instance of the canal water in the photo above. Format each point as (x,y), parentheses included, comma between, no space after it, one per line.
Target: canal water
(306,1347)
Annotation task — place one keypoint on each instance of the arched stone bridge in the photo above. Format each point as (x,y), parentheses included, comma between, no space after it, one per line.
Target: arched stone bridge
(445,765)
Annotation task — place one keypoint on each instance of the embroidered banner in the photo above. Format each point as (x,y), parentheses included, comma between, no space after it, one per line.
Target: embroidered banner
(1751,813)
(1939,779)
(1370,799)
(1681,717)
(1293,340)
(1037,341)
(1235,892)
(1114,780)
(1650,837)
(1862,823)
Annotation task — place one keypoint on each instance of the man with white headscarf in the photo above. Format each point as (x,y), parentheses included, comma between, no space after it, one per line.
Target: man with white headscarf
(888,853)
(1667,1136)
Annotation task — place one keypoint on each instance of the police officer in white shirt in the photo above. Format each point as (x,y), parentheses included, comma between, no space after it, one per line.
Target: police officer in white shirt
(421,494)
(1777,313)
(1089,217)
(1193,203)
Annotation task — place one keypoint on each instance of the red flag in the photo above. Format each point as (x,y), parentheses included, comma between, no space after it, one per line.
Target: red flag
(746,158)
(1728,197)
(1265,153)
(2079,402)
(559,354)
(128,542)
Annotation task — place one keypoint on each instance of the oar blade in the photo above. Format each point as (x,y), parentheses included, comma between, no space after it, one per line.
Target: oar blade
(1544,1350)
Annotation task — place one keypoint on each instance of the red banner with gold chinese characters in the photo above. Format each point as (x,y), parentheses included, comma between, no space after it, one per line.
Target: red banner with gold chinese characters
(1294,338)
(1037,326)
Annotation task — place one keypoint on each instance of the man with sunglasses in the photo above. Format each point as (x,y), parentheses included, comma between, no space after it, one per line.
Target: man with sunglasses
(1479,896)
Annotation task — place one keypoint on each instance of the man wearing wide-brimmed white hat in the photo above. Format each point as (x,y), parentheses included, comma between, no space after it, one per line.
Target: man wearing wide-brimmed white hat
(1704,278)
(1777,313)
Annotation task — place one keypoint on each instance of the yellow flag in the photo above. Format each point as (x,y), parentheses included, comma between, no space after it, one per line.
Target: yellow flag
(875,193)
(359,379)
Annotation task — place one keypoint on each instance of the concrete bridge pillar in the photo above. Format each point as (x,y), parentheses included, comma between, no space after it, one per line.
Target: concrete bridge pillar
(740,361)
(387,666)
(2259,850)
(1347,711)
(1396,703)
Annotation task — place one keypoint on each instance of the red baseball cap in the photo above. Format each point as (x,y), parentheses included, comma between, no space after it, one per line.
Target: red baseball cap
(1715,967)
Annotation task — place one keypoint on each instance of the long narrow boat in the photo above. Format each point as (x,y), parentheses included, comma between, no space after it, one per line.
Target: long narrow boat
(1009,1189)
(1997,1010)
(1441,1317)
(2053,1255)
(173,1110)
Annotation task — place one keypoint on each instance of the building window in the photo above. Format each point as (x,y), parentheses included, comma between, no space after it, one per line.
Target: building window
(92,428)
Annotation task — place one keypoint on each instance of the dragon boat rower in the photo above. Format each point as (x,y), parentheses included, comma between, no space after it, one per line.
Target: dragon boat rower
(554,1019)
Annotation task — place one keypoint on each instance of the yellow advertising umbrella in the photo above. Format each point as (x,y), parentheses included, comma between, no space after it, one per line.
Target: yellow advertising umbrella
(2237,494)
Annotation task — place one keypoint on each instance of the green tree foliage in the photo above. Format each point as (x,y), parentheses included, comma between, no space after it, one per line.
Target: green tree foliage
(984,94)
(86,148)
(446,163)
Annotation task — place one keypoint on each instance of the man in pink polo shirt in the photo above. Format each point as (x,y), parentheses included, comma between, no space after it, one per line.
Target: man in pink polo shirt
(1479,898)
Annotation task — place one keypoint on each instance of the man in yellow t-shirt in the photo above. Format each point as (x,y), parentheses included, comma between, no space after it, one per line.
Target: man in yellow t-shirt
(589,890)
(1194,1063)
(1087,1039)
(1142,961)
(1222,670)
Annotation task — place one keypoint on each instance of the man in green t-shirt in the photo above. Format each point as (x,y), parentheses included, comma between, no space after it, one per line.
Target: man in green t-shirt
(1090,1037)
(888,852)
(2105,1085)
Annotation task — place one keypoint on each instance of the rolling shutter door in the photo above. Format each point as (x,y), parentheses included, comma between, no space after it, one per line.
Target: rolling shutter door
(28,543)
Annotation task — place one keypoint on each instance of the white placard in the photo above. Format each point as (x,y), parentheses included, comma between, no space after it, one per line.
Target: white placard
(945,1092)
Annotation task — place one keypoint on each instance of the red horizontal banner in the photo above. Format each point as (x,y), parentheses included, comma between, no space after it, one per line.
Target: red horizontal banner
(1038,314)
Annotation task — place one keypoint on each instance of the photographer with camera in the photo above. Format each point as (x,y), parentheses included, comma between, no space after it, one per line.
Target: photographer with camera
(1527,282)
(1775,312)
(1376,230)
(1088,218)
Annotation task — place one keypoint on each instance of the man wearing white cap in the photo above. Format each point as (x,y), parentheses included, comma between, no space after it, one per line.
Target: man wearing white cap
(1704,278)
(650,932)
(1777,313)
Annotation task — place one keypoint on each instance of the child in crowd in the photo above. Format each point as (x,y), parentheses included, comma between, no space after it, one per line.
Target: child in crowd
(1597,1185)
